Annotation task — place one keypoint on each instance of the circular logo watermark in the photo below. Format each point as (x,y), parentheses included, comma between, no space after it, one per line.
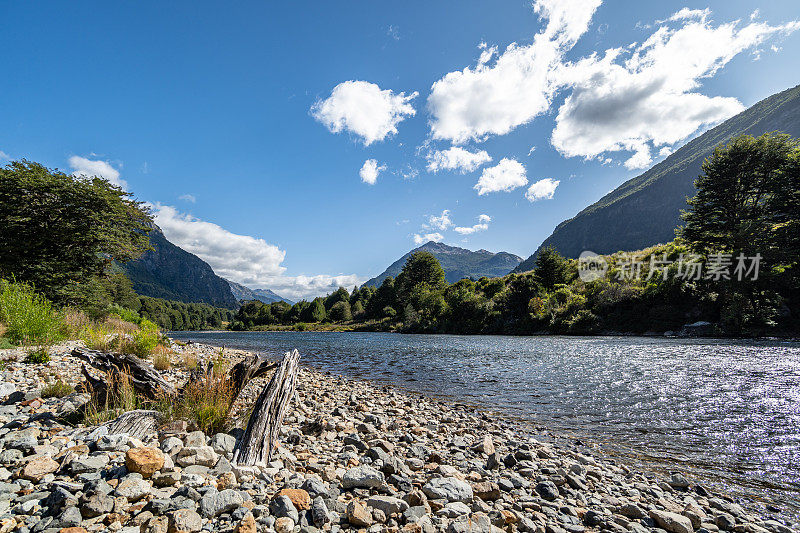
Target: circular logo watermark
(591,266)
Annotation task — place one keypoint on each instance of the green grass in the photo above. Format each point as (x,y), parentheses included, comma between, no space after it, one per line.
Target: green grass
(58,389)
(38,356)
(28,316)
(5,343)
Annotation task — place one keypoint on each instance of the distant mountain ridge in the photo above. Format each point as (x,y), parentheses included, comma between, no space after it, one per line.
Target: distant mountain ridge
(458,263)
(645,210)
(170,272)
(242,293)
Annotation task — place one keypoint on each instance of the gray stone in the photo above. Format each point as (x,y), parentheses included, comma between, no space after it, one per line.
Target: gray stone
(282,506)
(448,488)
(672,522)
(547,490)
(223,443)
(91,463)
(454,509)
(388,504)
(319,512)
(185,520)
(362,477)
(220,502)
(70,517)
(133,487)
(97,504)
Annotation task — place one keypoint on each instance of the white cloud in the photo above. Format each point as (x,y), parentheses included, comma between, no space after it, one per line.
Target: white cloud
(88,168)
(309,287)
(370,170)
(665,151)
(688,14)
(244,259)
(494,98)
(363,109)
(542,190)
(635,98)
(482,225)
(505,176)
(425,237)
(188,198)
(4,156)
(457,158)
(442,222)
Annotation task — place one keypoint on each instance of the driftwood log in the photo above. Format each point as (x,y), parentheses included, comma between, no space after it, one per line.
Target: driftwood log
(139,423)
(258,442)
(145,379)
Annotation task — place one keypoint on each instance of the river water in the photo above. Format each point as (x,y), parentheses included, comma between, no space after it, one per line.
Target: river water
(725,412)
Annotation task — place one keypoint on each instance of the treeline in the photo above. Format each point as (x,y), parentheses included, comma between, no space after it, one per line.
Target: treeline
(65,236)
(734,263)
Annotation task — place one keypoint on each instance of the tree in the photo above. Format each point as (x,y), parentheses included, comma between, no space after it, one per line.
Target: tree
(550,268)
(421,271)
(341,312)
(339,295)
(744,196)
(746,205)
(315,312)
(60,230)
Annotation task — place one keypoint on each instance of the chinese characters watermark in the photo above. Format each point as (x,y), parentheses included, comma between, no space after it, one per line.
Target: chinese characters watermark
(717,267)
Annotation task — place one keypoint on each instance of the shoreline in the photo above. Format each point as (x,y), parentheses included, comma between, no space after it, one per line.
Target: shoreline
(354,455)
(607,451)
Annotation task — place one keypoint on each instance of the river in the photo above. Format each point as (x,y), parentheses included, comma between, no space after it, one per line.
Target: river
(726,412)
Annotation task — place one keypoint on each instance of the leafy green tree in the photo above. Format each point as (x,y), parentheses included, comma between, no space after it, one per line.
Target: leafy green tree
(746,204)
(60,230)
(341,312)
(550,269)
(385,296)
(339,295)
(421,271)
(315,312)
(358,310)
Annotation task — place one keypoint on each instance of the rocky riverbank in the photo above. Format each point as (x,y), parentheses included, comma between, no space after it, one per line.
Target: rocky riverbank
(353,456)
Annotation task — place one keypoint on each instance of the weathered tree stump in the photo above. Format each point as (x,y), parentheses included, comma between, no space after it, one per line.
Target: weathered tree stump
(145,379)
(258,442)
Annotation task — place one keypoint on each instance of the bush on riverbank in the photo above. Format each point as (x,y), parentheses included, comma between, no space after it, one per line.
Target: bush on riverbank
(28,317)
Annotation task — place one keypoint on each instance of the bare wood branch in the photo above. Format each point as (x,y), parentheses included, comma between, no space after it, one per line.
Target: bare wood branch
(258,443)
(139,423)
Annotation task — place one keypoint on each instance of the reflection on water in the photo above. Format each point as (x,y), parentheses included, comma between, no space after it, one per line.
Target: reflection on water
(722,410)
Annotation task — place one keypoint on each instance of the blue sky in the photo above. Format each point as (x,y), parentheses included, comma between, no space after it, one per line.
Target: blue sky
(226,119)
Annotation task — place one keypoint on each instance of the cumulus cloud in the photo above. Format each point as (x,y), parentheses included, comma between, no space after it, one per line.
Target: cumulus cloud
(646,96)
(88,168)
(505,176)
(441,222)
(505,91)
(425,237)
(363,109)
(457,158)
(542,190)
(370,170)
(482,225)
(633,99)
(241,258)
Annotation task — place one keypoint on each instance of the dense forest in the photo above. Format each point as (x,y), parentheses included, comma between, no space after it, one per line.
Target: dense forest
(733,263)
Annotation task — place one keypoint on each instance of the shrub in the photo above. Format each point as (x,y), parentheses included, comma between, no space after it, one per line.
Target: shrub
(39,356)
(144,340)
(207,402)
(57,389)
(161,361)
(29,317)
(189,361)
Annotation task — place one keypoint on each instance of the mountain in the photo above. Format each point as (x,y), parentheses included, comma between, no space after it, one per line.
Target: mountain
(172,273)
(458,263)
(646,210)
(242,293)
